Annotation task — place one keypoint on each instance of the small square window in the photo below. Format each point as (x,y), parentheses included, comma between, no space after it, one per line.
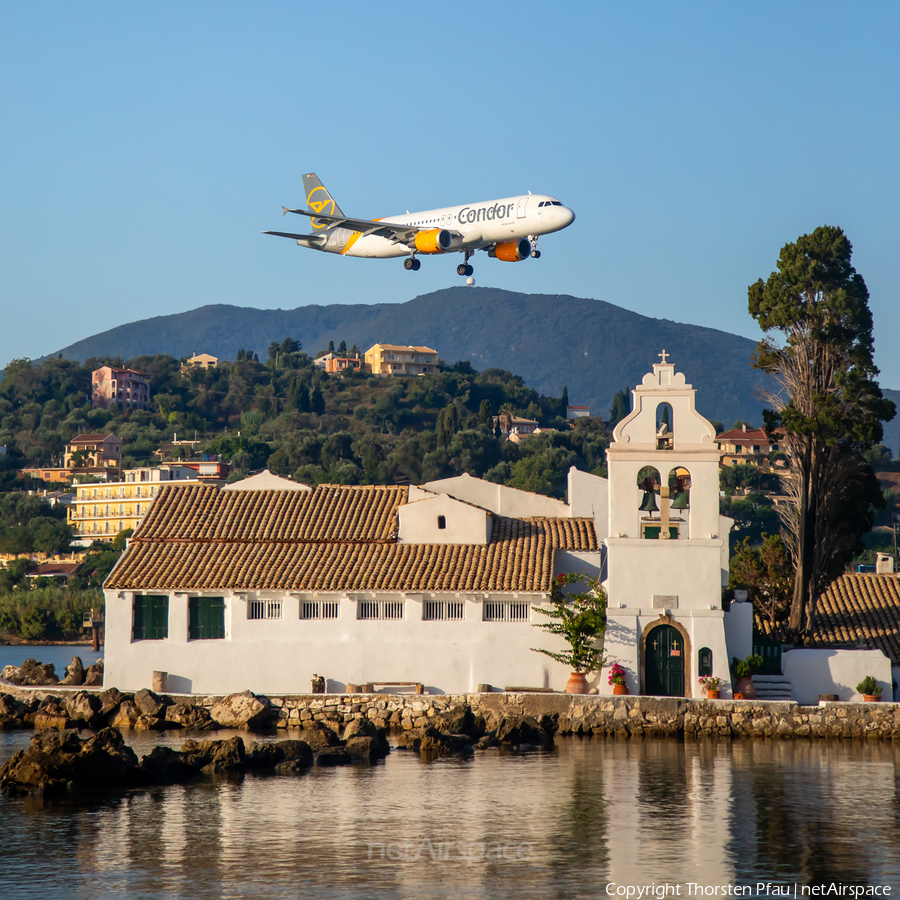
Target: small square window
(442,522)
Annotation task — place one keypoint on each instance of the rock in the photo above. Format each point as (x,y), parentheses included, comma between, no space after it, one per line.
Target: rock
(333,756)
(148,703)
(363,749)
(291,767)
(74,672)
(367,728)
(84,707)
(430,740)
(189,716)
(93,676)
(148,723)
(31,672)
(523,730)
(243,710)
(124,716)
(457,720)
(319,736)
(109,700)
(12,713)
(272,755)
(168,765)
(56,760)
(215,756)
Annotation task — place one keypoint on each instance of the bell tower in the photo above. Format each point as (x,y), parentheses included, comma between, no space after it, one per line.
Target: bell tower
(667,555)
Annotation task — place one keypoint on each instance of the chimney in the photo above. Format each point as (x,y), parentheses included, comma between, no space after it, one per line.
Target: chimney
(744,426)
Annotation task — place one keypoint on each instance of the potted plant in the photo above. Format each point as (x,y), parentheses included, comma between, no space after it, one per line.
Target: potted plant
(870,689)
(617,679)
(743,671)
(580,618)
(711,685)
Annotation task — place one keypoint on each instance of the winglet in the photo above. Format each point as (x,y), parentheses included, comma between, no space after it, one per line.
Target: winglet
(284,210)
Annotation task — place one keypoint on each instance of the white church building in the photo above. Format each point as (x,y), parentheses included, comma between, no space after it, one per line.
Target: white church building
(265,583)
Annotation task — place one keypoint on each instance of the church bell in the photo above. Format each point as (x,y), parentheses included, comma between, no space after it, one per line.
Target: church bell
(680,500)
(648,504)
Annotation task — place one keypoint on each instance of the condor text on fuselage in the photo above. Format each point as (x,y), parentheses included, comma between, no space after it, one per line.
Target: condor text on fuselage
(507,229)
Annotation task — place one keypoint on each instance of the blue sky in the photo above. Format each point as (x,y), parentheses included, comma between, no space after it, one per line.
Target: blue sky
(146,146)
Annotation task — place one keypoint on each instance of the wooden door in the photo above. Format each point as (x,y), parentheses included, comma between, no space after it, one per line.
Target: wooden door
(664,662)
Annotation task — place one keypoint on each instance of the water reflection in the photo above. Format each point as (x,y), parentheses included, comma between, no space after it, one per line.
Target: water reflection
(589,813)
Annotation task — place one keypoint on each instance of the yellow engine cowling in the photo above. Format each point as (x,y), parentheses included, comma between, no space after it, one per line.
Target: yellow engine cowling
(511,251)
(437,240)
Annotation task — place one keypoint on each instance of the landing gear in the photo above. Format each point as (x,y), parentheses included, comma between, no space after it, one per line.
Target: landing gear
(464,268)
(535,253)
(411,264)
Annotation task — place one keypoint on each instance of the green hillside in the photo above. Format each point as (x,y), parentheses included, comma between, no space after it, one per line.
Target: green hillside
(592,347)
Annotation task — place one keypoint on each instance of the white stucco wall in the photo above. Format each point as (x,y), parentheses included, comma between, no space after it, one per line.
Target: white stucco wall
(281,655)
(588,497)
(463,524)
(739,630)
(505,501)
(813,672)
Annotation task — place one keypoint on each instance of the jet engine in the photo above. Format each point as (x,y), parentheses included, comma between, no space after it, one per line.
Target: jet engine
(437,240)
(511,251)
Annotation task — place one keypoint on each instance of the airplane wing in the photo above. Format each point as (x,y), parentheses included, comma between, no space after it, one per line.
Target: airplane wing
(399,234)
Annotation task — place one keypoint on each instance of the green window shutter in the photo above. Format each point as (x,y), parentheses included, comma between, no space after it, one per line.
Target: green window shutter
(207,618)
(151,618)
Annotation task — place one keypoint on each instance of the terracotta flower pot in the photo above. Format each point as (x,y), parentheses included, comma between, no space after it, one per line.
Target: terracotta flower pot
(871,698)
(744,686)
(713,695)
(620,689)
(577,684)
(738,696)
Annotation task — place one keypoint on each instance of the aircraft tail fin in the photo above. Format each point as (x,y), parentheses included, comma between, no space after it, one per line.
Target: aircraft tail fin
(318,200)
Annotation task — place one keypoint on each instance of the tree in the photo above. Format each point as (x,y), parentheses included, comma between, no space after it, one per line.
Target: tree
(621,406)
(342,348)
(766,573)
(330,347)
(564,402)
(485,413)
(827,402)
(317,401)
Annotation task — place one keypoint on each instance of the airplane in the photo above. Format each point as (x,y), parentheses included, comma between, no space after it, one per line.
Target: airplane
(507,229)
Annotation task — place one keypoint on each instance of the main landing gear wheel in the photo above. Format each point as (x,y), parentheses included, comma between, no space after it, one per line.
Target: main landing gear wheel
(412,265)
(535,254)
(464,269)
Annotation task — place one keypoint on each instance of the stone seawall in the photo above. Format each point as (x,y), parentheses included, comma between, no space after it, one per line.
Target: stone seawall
(562,714)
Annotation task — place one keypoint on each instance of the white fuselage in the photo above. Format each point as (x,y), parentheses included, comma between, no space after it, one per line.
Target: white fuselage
(481,224)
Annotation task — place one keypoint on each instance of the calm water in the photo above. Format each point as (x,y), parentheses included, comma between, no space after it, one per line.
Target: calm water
(58,654)
(561,824)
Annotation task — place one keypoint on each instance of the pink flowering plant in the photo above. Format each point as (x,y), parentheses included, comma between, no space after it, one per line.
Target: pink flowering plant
(616,674)
(710,682)
(578,611)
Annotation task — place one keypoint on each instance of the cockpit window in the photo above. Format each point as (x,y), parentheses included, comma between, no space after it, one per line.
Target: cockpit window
(542,203)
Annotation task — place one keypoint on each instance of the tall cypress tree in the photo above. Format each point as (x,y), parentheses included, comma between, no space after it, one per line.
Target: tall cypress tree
(828,403)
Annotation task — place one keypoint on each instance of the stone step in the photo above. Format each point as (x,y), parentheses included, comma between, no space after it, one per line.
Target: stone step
(772,687)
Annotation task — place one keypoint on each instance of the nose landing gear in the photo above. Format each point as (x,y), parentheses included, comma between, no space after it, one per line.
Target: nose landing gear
(535,253)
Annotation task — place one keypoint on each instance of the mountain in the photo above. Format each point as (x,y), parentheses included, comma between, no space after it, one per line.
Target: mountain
(592,347)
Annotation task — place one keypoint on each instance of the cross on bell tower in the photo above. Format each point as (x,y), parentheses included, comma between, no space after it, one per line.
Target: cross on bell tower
(663,356)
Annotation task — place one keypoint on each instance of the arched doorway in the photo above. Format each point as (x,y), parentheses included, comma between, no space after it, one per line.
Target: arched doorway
(664,662)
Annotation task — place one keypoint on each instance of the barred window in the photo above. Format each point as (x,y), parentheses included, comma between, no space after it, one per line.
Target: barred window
(443,610)
(379,609)
(505,611)
(264,609)
(318,609)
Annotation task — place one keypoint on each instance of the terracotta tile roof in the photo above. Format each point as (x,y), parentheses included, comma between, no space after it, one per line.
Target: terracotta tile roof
(860,611)
(335,538)
(91,438)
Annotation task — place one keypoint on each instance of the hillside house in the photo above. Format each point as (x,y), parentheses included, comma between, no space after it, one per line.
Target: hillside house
(746,446)
(577,412)
(394,359)
(200,361)
(334,365)
(90,453)
(514,425)
(120,388)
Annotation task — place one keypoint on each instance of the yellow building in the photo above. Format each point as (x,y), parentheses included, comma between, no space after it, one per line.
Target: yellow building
(103,510)
(201,361)
(393,359)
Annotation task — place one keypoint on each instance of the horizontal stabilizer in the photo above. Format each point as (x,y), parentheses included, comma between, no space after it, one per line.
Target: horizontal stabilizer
(308,238)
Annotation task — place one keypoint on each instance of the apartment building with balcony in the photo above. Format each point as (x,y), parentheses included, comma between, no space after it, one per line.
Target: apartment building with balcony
(120,388)
(101,511)
(394,359)
(94,454)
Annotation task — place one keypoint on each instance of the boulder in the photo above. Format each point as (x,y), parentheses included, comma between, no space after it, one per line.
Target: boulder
(518,730)
(333,756)
(244,710)
(212,757)
(84,707)
(74,672)
(109,700)
(186,715)
(148,703)
(168,765)
(12,712)
(93,676)
(457,720)
(56,760)
(363,749)
(124,715)
(367,728)
(319,736)
(291,767)
(430,740)
(271,755)
(148,723)
(31,672)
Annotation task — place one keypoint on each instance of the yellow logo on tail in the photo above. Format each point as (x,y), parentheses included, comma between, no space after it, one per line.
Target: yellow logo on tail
(319,206)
